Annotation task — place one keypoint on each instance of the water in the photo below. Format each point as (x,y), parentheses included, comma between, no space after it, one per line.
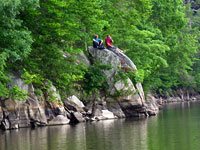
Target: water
(175,128)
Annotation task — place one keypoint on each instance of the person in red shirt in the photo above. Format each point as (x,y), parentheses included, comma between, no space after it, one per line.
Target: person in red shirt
(109,45)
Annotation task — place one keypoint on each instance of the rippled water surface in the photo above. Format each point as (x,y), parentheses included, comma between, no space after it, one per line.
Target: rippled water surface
(177,127)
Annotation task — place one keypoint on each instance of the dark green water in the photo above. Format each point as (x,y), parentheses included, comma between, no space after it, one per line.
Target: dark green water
(177,127)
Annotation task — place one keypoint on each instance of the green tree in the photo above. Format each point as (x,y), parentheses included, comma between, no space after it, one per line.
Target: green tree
(15,39)
(61,29)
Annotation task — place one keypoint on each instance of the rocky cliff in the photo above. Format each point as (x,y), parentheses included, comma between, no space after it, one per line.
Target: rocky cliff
(133,104)
(41,111)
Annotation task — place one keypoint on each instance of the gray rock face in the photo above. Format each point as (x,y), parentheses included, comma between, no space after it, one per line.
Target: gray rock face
(15,114)
(115,108)
(76,101)
(74,104)
(131,108)
(152,106)
(31,112)
(36,112)
(59,120)
(114,59)
(108,114)
(132,103)
(11,115)
(19,83)
(107,57)
(125,58)
(83,58)
(77,117)
(1,114)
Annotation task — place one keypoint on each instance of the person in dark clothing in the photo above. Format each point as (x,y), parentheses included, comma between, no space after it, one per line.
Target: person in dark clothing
(98,43)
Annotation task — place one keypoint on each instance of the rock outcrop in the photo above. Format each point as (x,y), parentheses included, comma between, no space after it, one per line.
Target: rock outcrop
(40,110)
(133,104)
(82,58)
(32,111)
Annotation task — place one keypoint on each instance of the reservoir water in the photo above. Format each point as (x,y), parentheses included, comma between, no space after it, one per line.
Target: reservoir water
(177,127)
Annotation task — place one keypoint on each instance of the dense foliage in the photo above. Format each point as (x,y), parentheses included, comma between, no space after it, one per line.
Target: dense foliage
(15,39)
(42,37)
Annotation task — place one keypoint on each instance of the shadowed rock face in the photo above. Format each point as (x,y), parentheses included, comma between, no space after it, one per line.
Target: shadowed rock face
(33,111)
(1,113)
(30,112)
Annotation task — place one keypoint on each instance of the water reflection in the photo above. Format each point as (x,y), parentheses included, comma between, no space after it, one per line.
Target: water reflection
(175,128)
(107,135)
(117,135)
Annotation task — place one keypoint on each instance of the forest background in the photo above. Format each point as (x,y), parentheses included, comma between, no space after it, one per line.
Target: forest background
(161,37)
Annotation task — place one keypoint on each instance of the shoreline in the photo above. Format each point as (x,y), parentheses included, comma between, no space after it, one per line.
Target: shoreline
(60,120)
(169,100)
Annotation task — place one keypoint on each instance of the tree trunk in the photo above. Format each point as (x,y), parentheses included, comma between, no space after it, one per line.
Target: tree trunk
(86,46)
(188,95)
(190,23)
(94,104)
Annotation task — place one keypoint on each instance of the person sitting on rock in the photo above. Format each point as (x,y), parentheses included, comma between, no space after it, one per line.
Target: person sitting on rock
(108,42)
(98,43)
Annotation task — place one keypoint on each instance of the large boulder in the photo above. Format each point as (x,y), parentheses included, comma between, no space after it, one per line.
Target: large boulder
(76,117)
(15,114)
(128,90)
(59,120)
(72,103)
(75,108)
(34,110)
(132,108)
(107,114)
(37,114)
(81,57)
(126,60)
(131,98)
(107,57)
(31,113)
(73,99)
(152,106)
(115,108)
(114,58)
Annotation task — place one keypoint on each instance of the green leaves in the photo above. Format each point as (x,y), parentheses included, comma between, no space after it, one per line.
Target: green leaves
(168,16)
(17,94)
(94,79)
(44,36)
(15,38)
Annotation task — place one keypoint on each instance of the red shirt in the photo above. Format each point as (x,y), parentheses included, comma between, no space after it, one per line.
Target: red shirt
(108,41)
